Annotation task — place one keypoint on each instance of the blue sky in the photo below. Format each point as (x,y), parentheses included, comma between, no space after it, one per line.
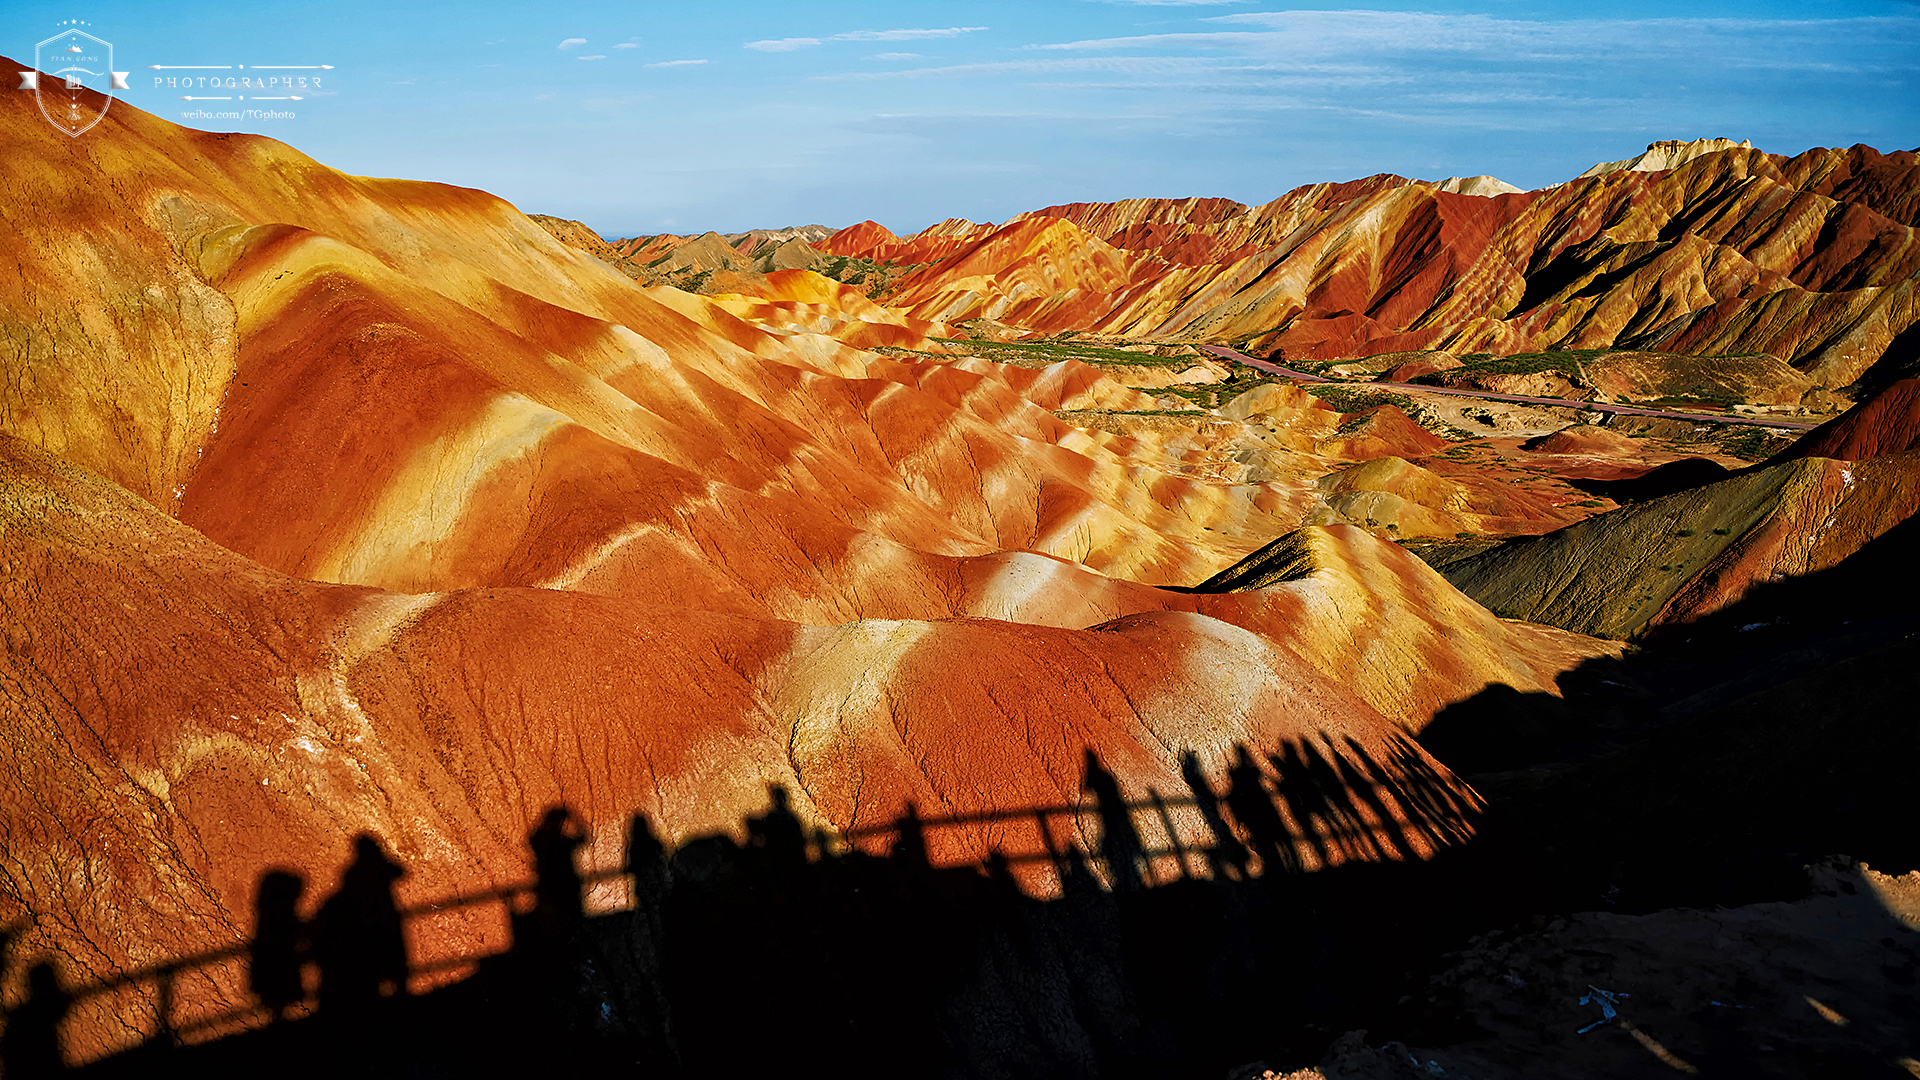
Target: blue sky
(648,117)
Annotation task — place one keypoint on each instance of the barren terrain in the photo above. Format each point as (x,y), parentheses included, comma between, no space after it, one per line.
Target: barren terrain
(988,626)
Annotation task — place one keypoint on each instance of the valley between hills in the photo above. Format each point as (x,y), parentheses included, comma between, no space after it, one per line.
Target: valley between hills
(1405,628)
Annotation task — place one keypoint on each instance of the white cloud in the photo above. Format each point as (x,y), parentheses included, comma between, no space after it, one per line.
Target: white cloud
(571,43)
(1154,41)
(677,63)
(596,56)
(1137,64)
(1304,35)
(626,45)
(1347,32)
(793,43)
(896,56)
(1307,55)
(905,35)
(782,44)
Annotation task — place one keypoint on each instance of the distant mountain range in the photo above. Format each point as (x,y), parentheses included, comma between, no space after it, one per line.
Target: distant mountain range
(1702,247)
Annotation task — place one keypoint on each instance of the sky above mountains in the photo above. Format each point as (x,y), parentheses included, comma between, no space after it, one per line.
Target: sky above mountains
(649,117)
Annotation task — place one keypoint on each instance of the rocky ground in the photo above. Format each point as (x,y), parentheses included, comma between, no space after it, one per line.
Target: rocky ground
(1821,986)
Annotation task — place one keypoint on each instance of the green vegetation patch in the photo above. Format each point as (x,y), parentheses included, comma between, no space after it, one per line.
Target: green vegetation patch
(1186,413)
(1472,364)
(1203,395)
(879,279)
(905,353)
(1064,350)
(1754,443)
(1713,397)
(1355,399)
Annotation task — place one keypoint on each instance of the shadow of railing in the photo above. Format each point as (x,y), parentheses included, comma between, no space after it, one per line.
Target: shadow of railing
(1284,816)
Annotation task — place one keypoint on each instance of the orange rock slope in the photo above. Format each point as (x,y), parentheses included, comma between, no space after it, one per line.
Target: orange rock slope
(331,504)
(1810,259)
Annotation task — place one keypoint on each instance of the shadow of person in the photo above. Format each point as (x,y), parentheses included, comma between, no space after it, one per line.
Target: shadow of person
(1120,845)
(1252,806)
(1364,788)
(779,834)
(1300,789)
(908,857)
(8,934)
(647,865)
(359,941)
(1348,832)
(30,1047)
(645,984)
(1447,811)
(557,885)
(275,955)
(1412,822)
(1228,856)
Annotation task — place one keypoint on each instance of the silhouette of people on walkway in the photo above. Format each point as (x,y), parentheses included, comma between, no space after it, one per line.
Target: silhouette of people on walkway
(1119,974)
(359,941)
(31,1045)
(646,863)
(1347,831)
(1252,806)
(1362,790)
(1368,783)
(1120,844)
(1447,812)
(779,833)
(557,884)
(1228,856)
(909,851)
(1306,800)
(274,956)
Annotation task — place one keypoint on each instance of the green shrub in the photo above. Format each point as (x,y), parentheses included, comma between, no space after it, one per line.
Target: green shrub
(1352,399)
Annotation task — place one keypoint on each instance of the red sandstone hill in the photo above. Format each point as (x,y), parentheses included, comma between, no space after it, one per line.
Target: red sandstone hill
(1810,259)
(1886,423)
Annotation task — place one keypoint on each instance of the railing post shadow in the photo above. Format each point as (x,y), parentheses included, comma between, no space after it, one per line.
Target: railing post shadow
(1173,838)
(165,1037)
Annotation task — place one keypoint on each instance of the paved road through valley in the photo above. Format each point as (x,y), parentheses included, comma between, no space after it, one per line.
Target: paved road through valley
(1584,406)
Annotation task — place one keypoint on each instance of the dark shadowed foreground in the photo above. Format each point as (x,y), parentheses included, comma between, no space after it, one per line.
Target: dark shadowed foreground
(1160,954)
(1168,953)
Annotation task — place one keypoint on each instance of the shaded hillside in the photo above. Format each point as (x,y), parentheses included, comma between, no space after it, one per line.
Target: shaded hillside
(1673,558)
(1677,557)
